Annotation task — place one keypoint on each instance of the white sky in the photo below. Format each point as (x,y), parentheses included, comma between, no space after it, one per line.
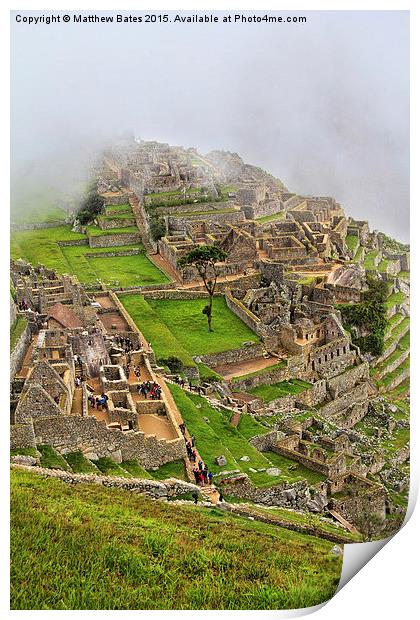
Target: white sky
(323,105)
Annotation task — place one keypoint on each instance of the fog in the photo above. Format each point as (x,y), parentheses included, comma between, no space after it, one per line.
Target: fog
(324,105)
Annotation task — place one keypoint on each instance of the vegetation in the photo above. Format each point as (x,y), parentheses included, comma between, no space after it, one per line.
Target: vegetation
(88,264)
(205,258)
(92,205)
(51,459)
(111,468)
(17,330)
(137,553)
(175,469)
(217,436)
(280,389)
(80,464)
(157,228)
(262,371)
(180,317)
(368,315)
(352,242)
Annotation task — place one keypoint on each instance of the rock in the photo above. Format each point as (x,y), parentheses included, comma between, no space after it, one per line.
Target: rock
(22,459)
(221,460)
(336,550)
(116,456)
(317,503)
(92,456)
(273,471)
(244,458)
(254,471)
(290,494)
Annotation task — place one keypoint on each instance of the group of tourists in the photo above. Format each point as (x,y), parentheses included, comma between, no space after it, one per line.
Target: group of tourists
(23,305)
(150,389)
(77,381)
(124,343)
(202,474)
(98,402)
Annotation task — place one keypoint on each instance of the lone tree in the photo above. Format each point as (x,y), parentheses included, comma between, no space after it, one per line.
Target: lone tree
(204,258)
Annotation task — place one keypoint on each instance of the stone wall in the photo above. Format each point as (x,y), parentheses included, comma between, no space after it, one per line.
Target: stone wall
(343,383)
(174,294)
(22,436)
(264,209)
(358,393)
(284,494)
(180,223)
(265,378)
(171,487)
(264,443)
(121,199)
(117,222)
(18,353)
(271,270)
(71,242)
(233,356)
(107,241)
(72,433)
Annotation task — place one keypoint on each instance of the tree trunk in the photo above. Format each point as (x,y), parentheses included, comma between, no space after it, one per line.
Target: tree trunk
(210,316)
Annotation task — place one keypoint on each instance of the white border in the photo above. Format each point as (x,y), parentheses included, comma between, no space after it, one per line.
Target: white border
(386,587)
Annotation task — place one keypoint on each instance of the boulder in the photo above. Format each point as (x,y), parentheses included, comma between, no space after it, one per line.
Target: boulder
(273,471)
(221,460)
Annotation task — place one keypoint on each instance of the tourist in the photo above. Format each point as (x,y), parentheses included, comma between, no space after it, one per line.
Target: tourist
(201,479)
(200,465)
(191,386)
(221,498)
(195,496)
(210,477)
(193,440)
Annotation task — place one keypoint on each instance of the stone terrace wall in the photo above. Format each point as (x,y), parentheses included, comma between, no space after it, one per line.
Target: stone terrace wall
(233,356)
(117,222)
(263,209)
(121,199)
(175,294)
(284,494)
(172,487)
(22,436)
(357,394)
(264,443)
(18,353)
(343,383)
(265,378)
(248,317)
(179,223)
(107,241)
(71,433)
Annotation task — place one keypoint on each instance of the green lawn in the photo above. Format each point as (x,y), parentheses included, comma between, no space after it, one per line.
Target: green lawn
(277,390)
(51,459)
(89,547)
(263,371)
(218,437)
(110,209)
(17,330)
(186,320)
(95,231)
(369,260)
(293,470)
(40,246)
(395,299)
(272,218)
(164,342)
(352,242)
(80,464)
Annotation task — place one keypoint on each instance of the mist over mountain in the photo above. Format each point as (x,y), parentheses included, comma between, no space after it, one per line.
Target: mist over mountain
(324,106)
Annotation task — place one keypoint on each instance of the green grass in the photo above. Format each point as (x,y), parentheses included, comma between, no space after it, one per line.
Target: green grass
(369,260)
(51,459)
(164,342)
(113,209)
(277,390)
(395,299)
(297,471)
(111,468)
(220,437)
(358,255)
(40,246)
(89,547)
(17,330)
(95,231)
(389,378)
(24,452)
(135,469)
(80,464)
(178,327)
(176,469)
(396,332)
(352,242)
(249,427)
(272,218)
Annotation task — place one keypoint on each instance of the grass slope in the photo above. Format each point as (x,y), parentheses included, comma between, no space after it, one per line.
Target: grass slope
(186,320)
(88,547)
(88,264)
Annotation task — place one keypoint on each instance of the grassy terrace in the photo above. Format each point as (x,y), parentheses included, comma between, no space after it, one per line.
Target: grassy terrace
(277,390)
(389,378)
(137,553)
(120,209)
(40,246)
(396,332)
(95,231)
(276,217)
(16,331)
(395,299)
(185,318)
(369,260)
(352,242)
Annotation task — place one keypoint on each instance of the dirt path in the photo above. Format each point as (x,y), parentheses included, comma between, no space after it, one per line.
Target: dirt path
(160,426)
(228,371)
